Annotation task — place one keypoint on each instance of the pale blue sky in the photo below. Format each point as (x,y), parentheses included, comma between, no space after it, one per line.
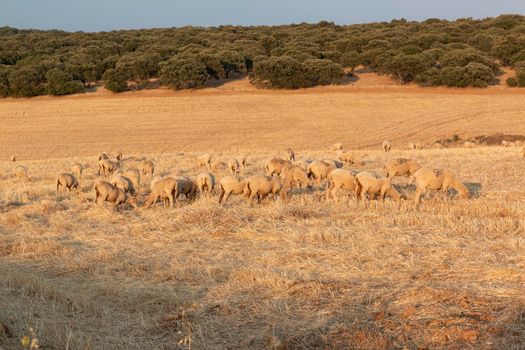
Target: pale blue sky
(96,15)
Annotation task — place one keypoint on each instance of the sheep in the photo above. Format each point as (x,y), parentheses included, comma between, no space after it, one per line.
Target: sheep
(319,170)
(65,180)
(275,166)
(411,146)
(230,185)
(21,172)
(469,144)
(386,146)
(13,158)
(124,183)
(366,183)
(103,155)
(233,166)
(261,186)
(347,158)
(134,175)
(205,182)
(294,174)
(148,167)
(438,179)
(107,167)
(332,162)
(291,154)
(518,143)
(506,143)
(438,145)
(303,163)
(77,169)
(419,145)
(163,188)
(106,192)
(401,167)
(187,186)
(339,179)
(244,163)
(204,160)
(337,147)
(119,155)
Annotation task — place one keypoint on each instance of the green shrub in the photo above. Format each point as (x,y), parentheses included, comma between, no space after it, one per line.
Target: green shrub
(405,68)
(137,66)
(478,75)
(350,59)
(185,72)
(115,80)
(4,90)
(61,83)
(280,72)
(323,72)
(26,82)
(512,82)
(453,76)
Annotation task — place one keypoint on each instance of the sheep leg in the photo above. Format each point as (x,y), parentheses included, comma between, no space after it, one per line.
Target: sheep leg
(419,193)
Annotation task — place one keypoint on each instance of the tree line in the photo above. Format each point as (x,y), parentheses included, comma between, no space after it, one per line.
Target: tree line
(434,52)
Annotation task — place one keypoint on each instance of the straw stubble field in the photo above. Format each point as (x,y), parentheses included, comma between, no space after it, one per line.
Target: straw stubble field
(305,273)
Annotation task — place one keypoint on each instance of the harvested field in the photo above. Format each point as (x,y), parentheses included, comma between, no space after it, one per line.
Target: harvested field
(305,273)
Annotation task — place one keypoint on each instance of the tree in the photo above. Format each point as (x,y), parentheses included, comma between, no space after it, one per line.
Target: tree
(323,72)
(184,72)
(406,67)
(26,82)
(138,65)
(280,72)
(61,83)
(115,80)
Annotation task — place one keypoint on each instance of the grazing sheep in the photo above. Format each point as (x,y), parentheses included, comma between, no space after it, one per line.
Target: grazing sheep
(437,145)
(261,186)
(77,169)
(291,154)
(205,182)
(469,144)
(319,170)
(276,165)
(366,183)
(13,158)
(103,155)
(204,160)
(401,167)
(339,179)
(119,155)
(337,147)
(21,172)
(164,189)
(134,175)
(233,166)
(230,185)
(438,179)
(107,167)
(148,167)
(304,163)
(419,146)
(505,143)
(124,183)
(348,158)
(294,174)
(244,163)
(411,146)
(386,146)
(187,186)
(518,143)
(332,162)
(68,181)
(106,192)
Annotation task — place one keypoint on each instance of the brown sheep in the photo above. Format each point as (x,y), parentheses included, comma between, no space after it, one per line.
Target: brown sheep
(337,147)
(339,179)
(348,158)
(275,166)
(148,167)
(107,167)
(411,146)
(164,189)
(261,186)
(68,181)
(438,179)
(319,170)
(103,155)
(401,167)
(438,145)
(205,182)
(77,169)
(230,185)
(304,163)
(506,143)
(469,144)
(233,166)
(386,146)
(244,163)
(21,172)
(106,192)
(291,154)
(294,174)
(187,186)
(124,183)
(366,183)
(204,161)
(333,162)
(134,175)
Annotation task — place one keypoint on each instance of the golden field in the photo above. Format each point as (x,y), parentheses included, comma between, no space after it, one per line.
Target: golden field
(295,274)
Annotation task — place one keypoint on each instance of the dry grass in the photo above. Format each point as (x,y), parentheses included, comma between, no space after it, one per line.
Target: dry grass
(302,274)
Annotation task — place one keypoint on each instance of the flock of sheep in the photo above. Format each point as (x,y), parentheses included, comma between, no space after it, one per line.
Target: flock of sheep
(117,185)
